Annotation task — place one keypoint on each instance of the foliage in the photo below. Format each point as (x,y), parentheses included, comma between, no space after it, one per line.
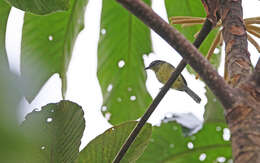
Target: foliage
(47,44)
(120,65)
(40,6)
(168,142)
(11,139)
(214,111)
(55,131)
(104,147)
(4,12)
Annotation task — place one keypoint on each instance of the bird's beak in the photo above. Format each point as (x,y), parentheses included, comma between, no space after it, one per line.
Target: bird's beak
(146,68)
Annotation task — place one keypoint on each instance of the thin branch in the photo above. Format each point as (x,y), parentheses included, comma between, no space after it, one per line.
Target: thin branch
(253,32)
(149,112)
(252,22)
(253,42)
(185,17)
(187,21)
(214,44)
(206,28)
(189,25)
(253,27)
(193,57)
(252,19)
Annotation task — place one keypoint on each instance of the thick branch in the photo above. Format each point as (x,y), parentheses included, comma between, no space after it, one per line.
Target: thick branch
(193,57)
(244,118)
(234,33)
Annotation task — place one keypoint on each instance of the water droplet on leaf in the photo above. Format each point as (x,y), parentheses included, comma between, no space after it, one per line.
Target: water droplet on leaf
(132,98)
(221,159)
(50,37)
(49,120)
(202,157)
(190,145)
(103,31)
(109,87)
(121,63)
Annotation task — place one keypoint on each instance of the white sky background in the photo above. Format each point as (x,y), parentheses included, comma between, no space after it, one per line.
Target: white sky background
(83,86)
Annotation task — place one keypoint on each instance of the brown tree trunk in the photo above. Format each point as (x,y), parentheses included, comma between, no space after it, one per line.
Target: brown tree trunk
(244,117)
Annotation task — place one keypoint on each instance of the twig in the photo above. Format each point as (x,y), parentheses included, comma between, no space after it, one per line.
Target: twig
(207,26)
(253,42)
(253,32)
(253,27)
(187,21)
(252,18)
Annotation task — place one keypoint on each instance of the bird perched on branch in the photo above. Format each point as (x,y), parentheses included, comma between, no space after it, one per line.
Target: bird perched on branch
(163,71)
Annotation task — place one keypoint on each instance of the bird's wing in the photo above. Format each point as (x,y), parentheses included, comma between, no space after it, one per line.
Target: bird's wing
(180,76)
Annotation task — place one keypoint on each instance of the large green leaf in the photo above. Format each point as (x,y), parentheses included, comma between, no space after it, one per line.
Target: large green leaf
(168,145)
(13,147)
(214,111)
(192,8)
(123,41)
(56,132)
(104,148)
(47,44)
(40,6)
(4,13)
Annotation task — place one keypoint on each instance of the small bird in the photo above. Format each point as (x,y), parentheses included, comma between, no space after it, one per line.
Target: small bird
(163,71)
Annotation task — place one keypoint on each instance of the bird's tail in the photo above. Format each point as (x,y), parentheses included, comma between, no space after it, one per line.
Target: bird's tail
(192,94)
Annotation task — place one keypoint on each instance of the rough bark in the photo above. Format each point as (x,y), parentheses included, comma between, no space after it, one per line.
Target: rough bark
(244,118)
(256,75)
(235,37)
(244,123)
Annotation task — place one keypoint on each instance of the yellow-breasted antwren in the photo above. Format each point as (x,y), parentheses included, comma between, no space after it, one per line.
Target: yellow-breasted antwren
(163,71)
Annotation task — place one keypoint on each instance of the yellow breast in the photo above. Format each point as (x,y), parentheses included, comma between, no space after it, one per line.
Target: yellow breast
(164,73)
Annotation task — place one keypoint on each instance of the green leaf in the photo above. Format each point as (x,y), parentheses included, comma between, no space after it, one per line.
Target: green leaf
(123,41)
(192,8)
(214,111)
(13,147)
(47,44)
(40,6)
(4,13)
(168,145)
(9,97)
(105,146)
(56,132)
